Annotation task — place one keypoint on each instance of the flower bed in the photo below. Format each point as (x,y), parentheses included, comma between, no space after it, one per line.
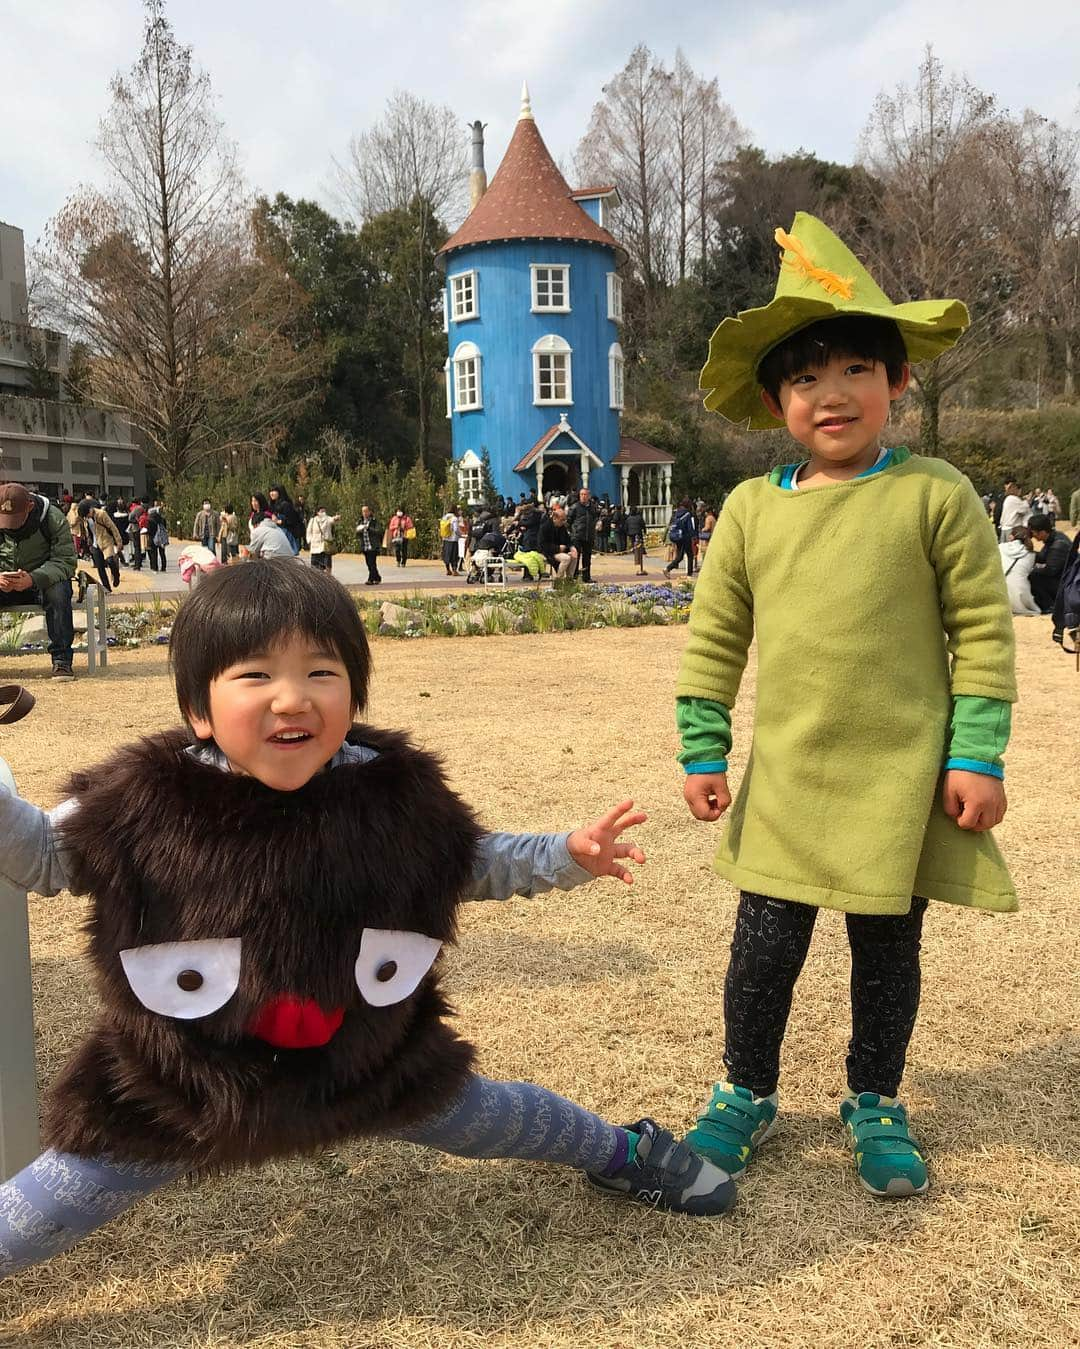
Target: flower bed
(565,608)
(560,609)
(129,626)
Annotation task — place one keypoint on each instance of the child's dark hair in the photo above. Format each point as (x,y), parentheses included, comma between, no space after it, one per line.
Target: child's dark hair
(860,335)
(235,612)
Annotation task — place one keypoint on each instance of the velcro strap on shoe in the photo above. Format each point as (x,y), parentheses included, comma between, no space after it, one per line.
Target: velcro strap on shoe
(879,1128)
(20,700)
(730,1119)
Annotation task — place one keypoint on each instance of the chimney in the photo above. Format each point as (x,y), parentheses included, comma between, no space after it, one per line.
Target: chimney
(477,174)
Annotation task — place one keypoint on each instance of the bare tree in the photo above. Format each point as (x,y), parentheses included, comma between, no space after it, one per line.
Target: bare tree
(413,161)
(193,331)
(718,135)
(932,151)
(684,169)
(1041,222)
(665,138)
(703,137)
(627,142)
(416,150)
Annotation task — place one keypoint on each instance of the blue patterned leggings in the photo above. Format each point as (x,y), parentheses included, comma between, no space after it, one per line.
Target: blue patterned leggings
(772,938)
(60,1198)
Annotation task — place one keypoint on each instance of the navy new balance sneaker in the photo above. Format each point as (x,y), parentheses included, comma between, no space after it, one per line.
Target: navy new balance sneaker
(667,1174)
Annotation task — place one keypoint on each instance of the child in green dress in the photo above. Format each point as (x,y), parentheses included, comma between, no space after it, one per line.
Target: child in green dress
(871,581)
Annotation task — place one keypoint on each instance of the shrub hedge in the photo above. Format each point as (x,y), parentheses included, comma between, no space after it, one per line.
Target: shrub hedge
(383,487)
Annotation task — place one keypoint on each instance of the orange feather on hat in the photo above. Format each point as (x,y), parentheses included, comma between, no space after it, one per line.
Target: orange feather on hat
(797,257)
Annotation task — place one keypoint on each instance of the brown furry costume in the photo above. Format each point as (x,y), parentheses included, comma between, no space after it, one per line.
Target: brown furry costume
(172,850)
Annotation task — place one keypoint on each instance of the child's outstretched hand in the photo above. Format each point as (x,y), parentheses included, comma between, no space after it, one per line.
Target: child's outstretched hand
(974,800)
(706,794)
(598,848)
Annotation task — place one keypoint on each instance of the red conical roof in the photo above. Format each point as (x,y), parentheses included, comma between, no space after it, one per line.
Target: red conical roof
(528,199)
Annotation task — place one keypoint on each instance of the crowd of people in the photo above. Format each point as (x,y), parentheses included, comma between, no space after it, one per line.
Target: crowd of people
(1022,521)
(89,540)
(109,534)
(560,535)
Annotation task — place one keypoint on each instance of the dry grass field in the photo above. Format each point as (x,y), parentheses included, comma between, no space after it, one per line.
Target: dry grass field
(613,996)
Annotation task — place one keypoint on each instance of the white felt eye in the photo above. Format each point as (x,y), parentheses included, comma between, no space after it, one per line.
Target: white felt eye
(391,964)
(185,979)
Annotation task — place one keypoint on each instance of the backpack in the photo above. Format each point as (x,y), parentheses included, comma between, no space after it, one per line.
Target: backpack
(1066,613)
(676,533)
(444,529)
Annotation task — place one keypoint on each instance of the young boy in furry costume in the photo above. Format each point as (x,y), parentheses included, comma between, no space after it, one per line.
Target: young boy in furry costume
(875,774)
(298,1004)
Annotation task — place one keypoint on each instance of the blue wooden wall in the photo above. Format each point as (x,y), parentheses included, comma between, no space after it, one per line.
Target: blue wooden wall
(509,423)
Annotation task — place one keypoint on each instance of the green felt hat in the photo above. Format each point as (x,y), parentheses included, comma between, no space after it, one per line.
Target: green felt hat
(820,278)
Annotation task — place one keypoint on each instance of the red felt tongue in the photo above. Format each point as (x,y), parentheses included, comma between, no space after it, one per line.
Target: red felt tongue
(295,1023)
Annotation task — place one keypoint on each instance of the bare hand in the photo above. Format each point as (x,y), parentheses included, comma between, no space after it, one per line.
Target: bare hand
(974,800)
(16,580)
(706,794)
(597,848)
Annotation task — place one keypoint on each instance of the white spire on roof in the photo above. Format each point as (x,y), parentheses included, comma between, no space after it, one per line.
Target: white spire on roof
(526,113)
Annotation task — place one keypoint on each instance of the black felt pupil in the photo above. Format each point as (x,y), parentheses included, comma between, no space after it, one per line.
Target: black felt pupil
(386,971)
(189,980)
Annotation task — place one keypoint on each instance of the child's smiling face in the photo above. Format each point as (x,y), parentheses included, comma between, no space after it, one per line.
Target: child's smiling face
(280,716)
(838,410)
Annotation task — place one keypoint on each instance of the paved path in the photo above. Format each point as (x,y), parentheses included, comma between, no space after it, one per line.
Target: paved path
(350,570)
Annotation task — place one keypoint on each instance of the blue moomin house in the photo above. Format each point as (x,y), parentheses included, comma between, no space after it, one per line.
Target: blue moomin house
(534,374)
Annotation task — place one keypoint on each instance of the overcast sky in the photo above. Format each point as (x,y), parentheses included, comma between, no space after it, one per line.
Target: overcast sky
(294,81)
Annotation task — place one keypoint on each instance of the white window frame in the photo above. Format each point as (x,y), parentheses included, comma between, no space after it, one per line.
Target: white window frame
(449,396)
(616,376)
(459,309)
(535,268)
(545,353)
(446,308)
(614,297)
(468,390)
(470,475)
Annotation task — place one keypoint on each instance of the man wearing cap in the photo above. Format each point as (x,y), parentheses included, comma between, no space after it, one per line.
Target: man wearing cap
(37,562)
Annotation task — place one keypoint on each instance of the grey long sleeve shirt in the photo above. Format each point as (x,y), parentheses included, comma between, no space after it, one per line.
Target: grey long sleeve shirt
(35,857)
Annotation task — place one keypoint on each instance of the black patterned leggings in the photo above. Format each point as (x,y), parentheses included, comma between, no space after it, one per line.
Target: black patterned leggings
(772,937)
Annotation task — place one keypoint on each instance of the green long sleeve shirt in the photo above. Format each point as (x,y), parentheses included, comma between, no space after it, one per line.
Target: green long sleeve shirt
(978,735)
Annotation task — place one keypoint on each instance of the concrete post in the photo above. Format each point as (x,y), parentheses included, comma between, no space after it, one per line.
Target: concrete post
(18,1083)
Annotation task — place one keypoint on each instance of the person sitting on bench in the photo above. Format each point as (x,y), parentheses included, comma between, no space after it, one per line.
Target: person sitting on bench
(37,562)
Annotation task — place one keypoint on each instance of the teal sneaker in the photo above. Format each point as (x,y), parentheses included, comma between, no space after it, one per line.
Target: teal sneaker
(887,1158)
(733,1127)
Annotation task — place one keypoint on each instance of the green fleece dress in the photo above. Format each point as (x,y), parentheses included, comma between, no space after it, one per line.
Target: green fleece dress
(874,602)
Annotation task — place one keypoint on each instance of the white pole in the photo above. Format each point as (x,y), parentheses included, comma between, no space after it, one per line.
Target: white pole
(18,1083)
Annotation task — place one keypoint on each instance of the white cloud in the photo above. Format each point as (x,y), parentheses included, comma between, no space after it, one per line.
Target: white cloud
(293,83)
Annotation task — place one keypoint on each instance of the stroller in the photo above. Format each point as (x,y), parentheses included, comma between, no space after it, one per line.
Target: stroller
(488,562)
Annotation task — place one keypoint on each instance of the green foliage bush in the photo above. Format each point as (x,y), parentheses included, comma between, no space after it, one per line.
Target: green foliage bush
(384,487)
(1040,449)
